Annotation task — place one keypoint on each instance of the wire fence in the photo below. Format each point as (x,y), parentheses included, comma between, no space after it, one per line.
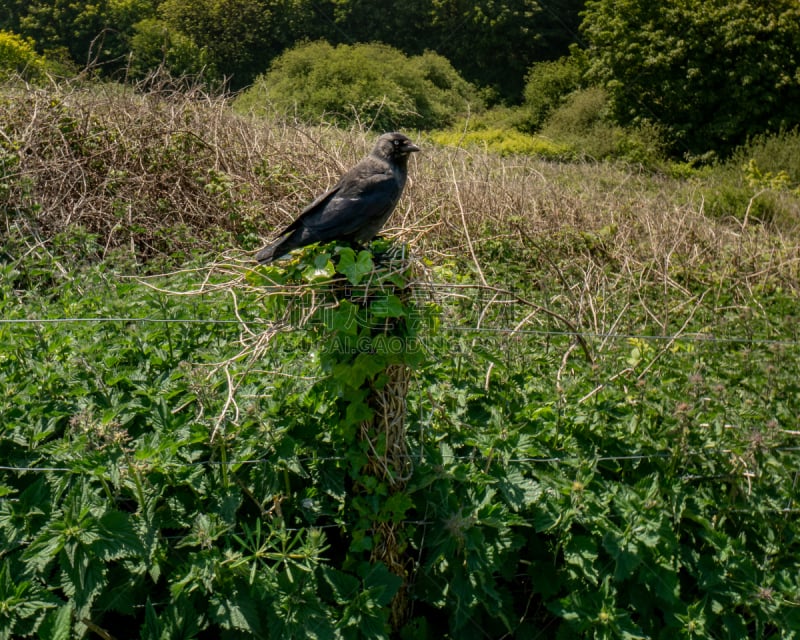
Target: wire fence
(598,335)
(568,461)
(565,460)
(571,461)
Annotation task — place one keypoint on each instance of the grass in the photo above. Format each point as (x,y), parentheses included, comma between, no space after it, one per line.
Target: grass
(206,470)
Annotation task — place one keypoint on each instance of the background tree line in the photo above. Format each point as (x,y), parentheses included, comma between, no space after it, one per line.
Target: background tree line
(237,39)
(705,75)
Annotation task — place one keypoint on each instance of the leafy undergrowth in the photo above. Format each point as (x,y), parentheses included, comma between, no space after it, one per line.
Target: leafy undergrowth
(602,432)
(180,466)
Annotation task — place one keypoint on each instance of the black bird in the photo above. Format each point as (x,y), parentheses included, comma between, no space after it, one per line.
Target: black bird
(357,207)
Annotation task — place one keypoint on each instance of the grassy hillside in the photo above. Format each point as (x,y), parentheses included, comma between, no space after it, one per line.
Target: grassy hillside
(601,430)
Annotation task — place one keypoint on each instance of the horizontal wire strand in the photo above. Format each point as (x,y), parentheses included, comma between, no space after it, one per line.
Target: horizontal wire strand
(685,337)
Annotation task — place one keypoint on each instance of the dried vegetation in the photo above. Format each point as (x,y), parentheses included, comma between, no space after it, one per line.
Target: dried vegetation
(175,172)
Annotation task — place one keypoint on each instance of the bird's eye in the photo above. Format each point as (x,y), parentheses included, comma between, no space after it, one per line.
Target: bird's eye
(396,143)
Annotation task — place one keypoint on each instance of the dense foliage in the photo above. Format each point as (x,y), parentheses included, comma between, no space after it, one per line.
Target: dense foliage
(711,73)
(692,79)
(82,33)
(240,36)
(17,56)
(547,86)
(243,36)
(159,478)
(370,83)
(156,46)
(597,385)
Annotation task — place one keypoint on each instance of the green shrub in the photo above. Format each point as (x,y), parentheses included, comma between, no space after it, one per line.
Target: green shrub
(547,86)
(503,141)
(582,123)
(17,56)
(155,45)
(773,154)
(746,193)
(711,73)
(761,181)
(372,83)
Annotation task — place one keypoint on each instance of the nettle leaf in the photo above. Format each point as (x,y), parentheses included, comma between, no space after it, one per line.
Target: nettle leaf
(43,549)
(20,601)
(343,585)
(58,623)
(381,582)
(181,619)
(119,539)
(581,554)
(82,579)
(626,555)
(520,492)
(152,626)
(235,611)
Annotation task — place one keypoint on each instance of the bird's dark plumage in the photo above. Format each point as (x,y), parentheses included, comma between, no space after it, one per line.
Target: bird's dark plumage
(356,208)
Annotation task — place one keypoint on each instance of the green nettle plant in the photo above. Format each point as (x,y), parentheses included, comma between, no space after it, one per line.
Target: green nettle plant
(359,311)
(140,501)
(302,450)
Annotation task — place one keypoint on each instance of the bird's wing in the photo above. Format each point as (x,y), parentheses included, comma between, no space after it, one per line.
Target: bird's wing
(319,203)
(362,195)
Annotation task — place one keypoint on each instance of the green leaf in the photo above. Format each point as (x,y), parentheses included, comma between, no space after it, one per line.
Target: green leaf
(581,554)
(266,276)
(343,585)
(344,318)
(119,539)
(357,412)
(397,505)
(387,306)
(354,267)
(355,373)
(381,582)
(321,271)
(152,627)
(58,624)
(235,611)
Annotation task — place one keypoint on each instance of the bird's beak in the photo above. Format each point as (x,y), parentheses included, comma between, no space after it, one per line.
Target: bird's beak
(410,147)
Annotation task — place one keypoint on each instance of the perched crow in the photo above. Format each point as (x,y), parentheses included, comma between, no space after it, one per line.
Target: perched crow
(357,207)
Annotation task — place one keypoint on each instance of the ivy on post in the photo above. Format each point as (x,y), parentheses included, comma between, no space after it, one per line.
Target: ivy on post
(360,309)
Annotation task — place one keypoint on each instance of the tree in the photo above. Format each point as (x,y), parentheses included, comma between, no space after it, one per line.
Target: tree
(711,73)
(241,36)
(491,43)
(155,45)
(84,32)
(547,86)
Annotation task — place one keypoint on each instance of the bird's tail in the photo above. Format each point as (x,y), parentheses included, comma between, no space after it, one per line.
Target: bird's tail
(266,255)
(276,250)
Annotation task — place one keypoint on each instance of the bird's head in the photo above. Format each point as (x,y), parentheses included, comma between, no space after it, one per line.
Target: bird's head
(394,146)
